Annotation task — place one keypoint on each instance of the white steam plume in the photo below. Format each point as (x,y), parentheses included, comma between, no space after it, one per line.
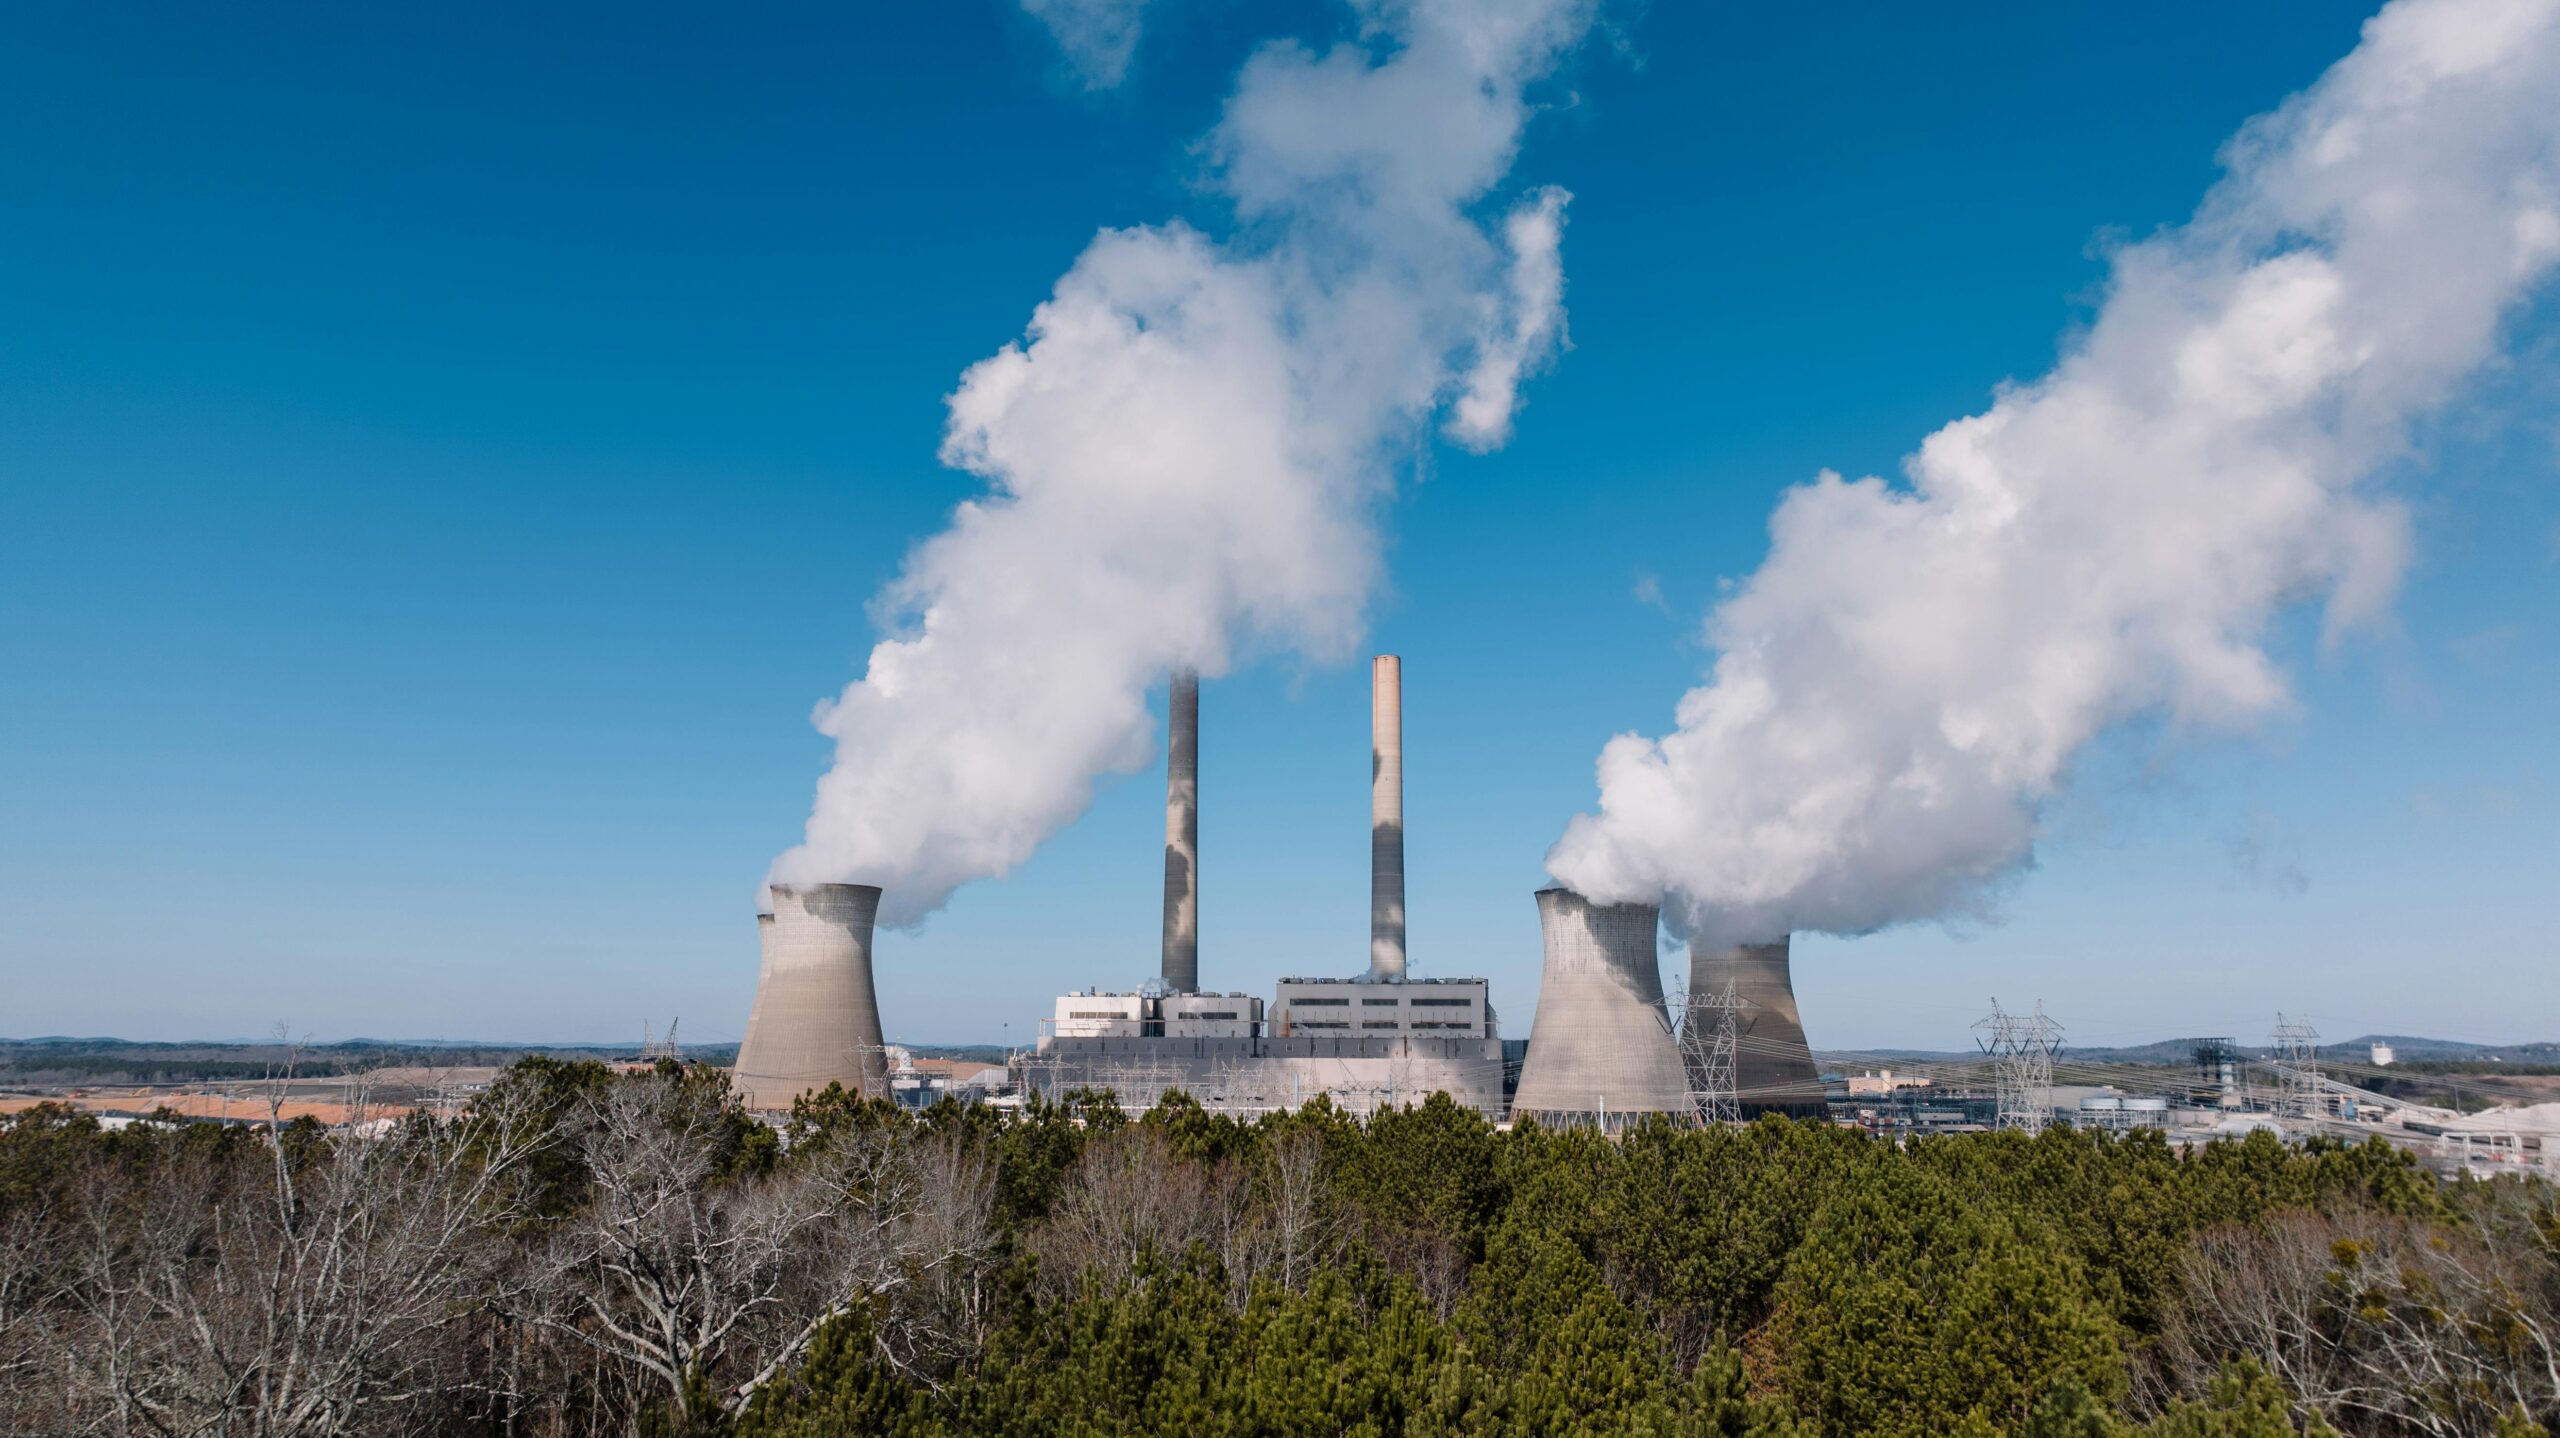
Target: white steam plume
(1184,457)
(1906,678)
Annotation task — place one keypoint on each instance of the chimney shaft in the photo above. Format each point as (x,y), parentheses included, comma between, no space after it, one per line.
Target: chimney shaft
(1386,818)
(1182,835)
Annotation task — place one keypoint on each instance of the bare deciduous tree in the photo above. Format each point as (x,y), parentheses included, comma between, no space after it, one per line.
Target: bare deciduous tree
(2380,1323)
(1305,1222)
(711,1284)
(1130,1196)
(307,1286)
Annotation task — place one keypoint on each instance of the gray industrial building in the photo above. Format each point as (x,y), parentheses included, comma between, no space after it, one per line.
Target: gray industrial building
(1372,1041)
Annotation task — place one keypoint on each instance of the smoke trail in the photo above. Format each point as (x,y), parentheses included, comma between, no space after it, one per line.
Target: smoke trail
(1906,678)
(1183,459)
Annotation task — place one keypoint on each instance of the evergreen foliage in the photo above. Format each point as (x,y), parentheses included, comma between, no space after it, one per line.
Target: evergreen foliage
(1073,1269)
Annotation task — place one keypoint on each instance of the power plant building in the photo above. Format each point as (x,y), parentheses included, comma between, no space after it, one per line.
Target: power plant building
(1364,1007)
(1372,1041)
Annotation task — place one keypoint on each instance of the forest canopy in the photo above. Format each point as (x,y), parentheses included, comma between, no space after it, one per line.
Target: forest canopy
(586,1252)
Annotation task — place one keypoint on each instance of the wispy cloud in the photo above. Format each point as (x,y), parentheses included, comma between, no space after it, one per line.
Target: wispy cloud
(1648,592)
(1098,37)
(2487,649)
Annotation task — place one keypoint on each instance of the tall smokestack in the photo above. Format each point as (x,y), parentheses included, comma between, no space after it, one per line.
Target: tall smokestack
(1182,835)
(1600,1049)
(1773,1069)
(1386,818)
(817,1018)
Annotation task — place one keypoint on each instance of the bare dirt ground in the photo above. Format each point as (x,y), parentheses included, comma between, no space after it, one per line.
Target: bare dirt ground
(382,1093)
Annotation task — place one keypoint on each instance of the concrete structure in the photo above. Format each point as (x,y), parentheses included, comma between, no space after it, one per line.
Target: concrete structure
(1386,818)
(1600,1049)
(1367,1043)
(1452,1008)
(1182,834)
(2383,1057)
(2123,1111)
(1152,1013)
(1421,1038)
(816,1018)
(1872,1083)
(764,968)
(1209,1016)
(1247,1076)
(1773,1067)
(1098,1016)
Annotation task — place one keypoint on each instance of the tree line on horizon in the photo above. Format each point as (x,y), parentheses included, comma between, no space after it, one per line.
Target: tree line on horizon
(583,1252)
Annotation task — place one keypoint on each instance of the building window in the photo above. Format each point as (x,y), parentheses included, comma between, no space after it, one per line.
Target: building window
(1443,1003)
(1322,1003)
(1325,1026)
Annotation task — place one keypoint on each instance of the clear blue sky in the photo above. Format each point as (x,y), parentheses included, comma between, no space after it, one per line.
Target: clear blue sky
(445,451)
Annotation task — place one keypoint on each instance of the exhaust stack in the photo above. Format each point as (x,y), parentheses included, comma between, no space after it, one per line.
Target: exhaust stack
(1182,834)
(1386,819)
(816,1019)
(1773,1068)
(1600,1049)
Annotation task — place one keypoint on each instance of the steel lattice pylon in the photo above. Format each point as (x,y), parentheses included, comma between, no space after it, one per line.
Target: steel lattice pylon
(1710,1050)
(2021,1048)
(2295,1046)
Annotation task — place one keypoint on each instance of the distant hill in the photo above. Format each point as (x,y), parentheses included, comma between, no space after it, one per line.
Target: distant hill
(57,1059)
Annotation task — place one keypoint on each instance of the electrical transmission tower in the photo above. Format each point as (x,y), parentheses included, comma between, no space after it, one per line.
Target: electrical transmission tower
(653,1050)
(2296,1046)
(2021,1048)
(1710,1050)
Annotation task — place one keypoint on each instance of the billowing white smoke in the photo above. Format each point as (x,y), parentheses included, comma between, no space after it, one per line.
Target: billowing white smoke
(1184,459)
(1906,678)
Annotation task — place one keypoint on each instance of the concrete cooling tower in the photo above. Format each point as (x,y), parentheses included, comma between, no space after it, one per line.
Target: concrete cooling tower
(816,1019)
(1773,1067)
(1600,1049)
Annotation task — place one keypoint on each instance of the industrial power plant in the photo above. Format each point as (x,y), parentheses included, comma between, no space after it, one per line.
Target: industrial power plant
(1603,1049)
(1608,1046)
